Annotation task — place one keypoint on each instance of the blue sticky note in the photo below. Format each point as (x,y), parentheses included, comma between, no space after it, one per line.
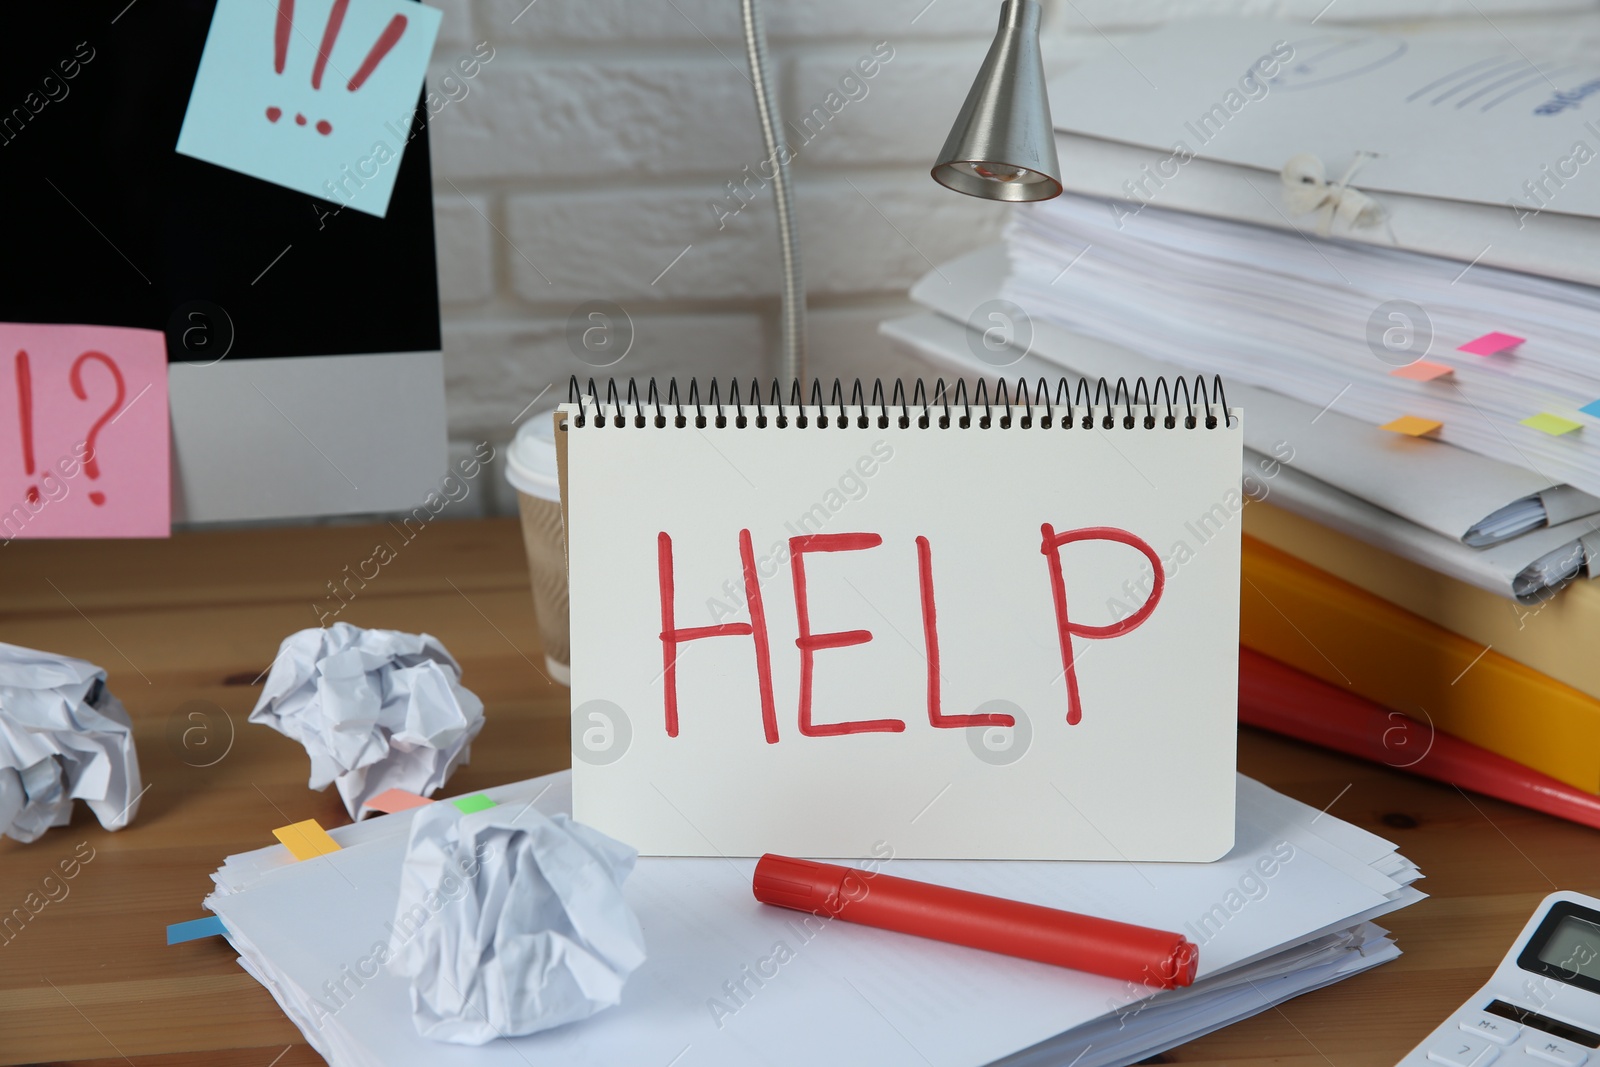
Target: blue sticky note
(1591,408)
(195,929)
(318,96)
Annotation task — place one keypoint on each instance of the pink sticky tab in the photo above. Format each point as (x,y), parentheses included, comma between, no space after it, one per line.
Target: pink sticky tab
(83,437)
(1422,371)
(393,800)
(1490,343)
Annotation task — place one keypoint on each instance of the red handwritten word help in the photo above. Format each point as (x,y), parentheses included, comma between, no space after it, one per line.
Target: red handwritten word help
(809,642)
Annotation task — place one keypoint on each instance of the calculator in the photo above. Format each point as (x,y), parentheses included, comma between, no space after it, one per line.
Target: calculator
(1541,1007)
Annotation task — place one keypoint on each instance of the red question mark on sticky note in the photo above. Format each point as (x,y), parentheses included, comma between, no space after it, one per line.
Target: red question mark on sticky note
(91,462)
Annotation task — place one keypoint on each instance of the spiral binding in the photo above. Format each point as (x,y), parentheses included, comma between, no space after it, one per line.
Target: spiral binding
(1081,405)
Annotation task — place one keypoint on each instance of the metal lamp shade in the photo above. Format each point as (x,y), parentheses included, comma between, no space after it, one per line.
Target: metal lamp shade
(1003,146)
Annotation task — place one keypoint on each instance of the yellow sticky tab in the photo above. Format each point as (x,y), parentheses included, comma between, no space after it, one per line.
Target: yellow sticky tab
(1413,426)
(1553,425)
(306,840)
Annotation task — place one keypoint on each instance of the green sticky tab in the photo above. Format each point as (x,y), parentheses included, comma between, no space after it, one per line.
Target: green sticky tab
(1554,425)
(476,802)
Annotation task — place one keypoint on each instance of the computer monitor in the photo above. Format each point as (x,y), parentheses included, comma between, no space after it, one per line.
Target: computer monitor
(304,361)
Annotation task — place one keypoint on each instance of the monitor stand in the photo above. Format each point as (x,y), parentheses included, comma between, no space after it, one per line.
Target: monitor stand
(306,435)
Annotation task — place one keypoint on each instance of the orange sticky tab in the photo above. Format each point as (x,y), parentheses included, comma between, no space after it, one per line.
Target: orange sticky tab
(1422,371)
(1412,426)
(306,840)
(393,800)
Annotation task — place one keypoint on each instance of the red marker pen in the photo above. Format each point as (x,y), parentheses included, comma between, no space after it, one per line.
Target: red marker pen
(1155,958)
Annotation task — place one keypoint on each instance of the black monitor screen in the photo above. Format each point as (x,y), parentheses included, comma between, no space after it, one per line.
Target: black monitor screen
(106,224)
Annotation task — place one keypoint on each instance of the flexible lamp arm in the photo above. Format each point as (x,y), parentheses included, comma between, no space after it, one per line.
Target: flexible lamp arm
(793,329)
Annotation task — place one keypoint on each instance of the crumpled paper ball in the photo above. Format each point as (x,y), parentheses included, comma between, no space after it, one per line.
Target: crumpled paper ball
(516,923)
(63,736)
(375,709)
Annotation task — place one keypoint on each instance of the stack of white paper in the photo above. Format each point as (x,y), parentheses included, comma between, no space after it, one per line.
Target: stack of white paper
(1325,322)
(1474,143)
(1178,247)
(731,981)
(1419,499)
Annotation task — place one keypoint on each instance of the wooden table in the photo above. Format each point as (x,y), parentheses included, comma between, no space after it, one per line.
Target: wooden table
(186,628)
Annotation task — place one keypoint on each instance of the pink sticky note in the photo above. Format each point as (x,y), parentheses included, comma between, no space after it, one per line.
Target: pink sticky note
(1422,371)
(393,800)
(83,434)
(1490,343)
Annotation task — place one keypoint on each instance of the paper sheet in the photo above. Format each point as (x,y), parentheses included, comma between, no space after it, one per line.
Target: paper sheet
(717,985)
(375,709)
(63,737)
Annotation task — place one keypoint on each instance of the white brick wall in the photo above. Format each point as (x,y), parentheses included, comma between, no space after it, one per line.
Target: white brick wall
(584,158)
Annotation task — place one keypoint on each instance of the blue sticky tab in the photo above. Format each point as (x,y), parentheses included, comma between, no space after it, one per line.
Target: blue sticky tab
(195,929)
(1591,408)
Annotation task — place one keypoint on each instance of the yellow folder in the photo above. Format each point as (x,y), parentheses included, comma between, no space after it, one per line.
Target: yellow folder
(1558,636)
(1329,628)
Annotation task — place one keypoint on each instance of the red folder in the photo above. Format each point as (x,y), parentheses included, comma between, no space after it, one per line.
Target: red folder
(1285,701)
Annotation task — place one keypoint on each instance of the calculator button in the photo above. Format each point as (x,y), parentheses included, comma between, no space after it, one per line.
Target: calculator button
(1550,1050)
(1463,1050)
(1500,1031)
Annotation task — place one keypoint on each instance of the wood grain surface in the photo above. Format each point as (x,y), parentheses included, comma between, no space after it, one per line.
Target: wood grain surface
(187,627)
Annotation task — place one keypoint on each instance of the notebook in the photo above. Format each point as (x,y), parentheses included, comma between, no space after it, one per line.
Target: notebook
(827,622)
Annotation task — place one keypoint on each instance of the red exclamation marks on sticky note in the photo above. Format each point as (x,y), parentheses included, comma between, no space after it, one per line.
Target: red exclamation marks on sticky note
(25,419)
(280,34)
(330,36)
(280,47)
(386,40)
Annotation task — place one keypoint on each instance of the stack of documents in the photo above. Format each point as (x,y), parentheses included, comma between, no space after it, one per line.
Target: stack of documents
(1442,576)
(1380,599)
(1476,146)
(732,981)
(1426,501)
(1180,248)
(1327,322)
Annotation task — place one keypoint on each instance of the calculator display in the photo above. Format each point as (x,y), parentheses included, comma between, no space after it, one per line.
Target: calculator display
(1573,947)
(1566,946)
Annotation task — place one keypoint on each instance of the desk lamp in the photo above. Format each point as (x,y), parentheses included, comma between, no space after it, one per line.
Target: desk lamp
(1003,146)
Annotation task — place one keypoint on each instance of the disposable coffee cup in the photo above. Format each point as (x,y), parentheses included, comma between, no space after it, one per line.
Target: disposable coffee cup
(531,470)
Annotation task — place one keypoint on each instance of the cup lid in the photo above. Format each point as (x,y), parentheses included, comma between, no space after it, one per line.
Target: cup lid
(531,460)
